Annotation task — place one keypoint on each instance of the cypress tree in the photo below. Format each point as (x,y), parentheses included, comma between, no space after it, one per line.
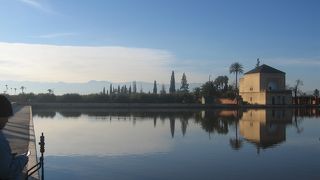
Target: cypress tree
(110,90)
(184,84)
(125,89)
(172,88)
(129,89)
(163,89)
(134,87)
(155,91)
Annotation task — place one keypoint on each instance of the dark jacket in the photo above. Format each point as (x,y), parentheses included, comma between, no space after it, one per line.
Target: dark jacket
(5,107)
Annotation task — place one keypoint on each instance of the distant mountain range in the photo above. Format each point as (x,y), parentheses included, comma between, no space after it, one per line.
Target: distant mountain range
(81,88)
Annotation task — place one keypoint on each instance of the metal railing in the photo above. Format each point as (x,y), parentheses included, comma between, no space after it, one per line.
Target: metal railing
(40,164)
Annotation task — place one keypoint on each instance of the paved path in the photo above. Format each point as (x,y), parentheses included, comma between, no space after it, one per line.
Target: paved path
(20,134)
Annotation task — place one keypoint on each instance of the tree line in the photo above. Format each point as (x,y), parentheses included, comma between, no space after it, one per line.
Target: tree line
(124,94)
(210,90)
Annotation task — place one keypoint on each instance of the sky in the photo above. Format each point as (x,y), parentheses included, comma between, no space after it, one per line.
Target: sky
(144,40)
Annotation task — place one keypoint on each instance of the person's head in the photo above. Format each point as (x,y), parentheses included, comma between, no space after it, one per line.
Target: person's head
(5,111)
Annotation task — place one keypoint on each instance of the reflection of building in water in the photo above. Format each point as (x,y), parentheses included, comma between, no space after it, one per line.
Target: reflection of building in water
(307,112)
(265,127)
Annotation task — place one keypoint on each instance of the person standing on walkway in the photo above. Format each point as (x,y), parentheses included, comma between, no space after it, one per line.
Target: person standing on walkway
(11,166)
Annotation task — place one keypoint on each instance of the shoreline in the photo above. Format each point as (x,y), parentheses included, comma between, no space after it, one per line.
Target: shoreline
(159,105)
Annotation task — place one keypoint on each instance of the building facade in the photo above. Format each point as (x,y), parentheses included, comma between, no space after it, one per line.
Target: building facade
(265,85)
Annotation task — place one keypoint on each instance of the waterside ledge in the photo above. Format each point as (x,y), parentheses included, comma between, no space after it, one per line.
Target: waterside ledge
(159,105)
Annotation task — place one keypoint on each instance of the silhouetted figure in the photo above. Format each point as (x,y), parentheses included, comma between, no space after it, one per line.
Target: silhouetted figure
(11,166)
(5,107)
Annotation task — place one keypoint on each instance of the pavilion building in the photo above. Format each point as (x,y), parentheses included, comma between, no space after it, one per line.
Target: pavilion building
(265,85)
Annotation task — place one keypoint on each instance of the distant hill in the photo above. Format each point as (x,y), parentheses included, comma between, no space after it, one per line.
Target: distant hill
(81,88)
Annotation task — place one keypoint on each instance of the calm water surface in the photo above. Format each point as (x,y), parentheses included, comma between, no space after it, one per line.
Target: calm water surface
(178,144)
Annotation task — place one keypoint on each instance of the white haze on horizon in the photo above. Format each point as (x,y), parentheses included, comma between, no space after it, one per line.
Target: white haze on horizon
(55,63)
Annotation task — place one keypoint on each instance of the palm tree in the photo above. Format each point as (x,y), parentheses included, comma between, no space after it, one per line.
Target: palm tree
(50,91)
(22,88)
(6,87)
(236,68)
(236,143)
(15,90)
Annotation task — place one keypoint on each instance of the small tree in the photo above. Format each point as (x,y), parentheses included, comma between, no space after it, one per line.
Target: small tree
(219,82)
(296,89)
(125,90)
(316,92)
(134,87)
(110,89)
(197,93)
(172,88)
(184,84)
(130,89)
(209,91)
(155,90)
(225,82)
(163,89)
(141,89)
(50,91)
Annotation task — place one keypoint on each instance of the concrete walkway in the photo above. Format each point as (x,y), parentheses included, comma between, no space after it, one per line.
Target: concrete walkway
(19,131)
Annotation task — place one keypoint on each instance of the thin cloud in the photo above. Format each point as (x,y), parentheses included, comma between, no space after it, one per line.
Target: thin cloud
(54,35)
(37,5)
(39,62)
(33,3)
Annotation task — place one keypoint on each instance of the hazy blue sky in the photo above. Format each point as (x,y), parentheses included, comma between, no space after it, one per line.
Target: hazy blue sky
(156,36)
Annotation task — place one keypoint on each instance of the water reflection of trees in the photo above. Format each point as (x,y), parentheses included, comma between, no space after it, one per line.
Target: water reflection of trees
(300,114)
(44,114)
(70,113)
(211,121)
(159,113)
(214,122)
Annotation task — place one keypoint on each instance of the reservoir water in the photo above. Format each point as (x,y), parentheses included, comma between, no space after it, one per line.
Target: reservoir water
(180,144)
